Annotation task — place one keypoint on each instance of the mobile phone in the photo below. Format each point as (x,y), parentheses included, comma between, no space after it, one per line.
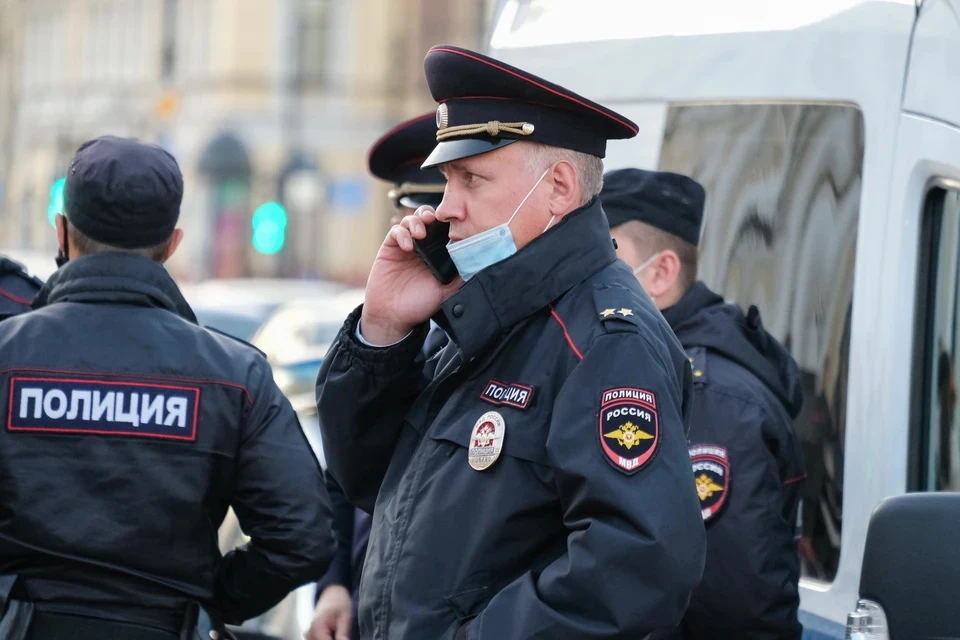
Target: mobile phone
(433,251)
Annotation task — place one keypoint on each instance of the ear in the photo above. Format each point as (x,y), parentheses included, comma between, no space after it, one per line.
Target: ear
(664,274)
(175,241)
(61,232)
(565,196)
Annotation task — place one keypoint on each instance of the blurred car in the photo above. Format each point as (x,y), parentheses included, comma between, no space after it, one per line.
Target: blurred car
(299,376)
(239,306)
(305,326)
(37,263)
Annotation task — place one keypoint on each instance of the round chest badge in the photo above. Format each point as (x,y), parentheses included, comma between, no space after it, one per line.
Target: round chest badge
(486,440)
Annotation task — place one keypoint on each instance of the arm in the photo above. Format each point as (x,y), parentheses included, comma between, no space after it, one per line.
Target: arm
(282,505)
(363,393)
(635,543)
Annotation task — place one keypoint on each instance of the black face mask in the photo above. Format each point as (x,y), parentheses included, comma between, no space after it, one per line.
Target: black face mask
(63,255)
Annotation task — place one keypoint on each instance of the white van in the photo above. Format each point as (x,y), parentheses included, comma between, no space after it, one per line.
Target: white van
(827,136)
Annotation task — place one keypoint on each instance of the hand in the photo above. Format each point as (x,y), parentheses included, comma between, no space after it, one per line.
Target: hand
(333,616)
(401,292)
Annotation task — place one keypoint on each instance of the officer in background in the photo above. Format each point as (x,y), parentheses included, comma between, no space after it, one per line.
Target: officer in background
(17,288)
(533,480)
(396,157)
(744,449)
(131,430)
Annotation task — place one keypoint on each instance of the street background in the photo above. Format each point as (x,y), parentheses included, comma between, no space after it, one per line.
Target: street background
(261,101)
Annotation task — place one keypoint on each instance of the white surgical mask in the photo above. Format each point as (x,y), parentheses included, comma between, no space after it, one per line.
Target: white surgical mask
(472,255)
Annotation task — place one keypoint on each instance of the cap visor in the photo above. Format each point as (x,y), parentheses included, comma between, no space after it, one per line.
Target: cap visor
(456,149)
(414,200)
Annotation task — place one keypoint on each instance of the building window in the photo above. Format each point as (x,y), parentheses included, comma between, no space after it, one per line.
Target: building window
(168,42)
(780,231)
(936,449)
(314,42)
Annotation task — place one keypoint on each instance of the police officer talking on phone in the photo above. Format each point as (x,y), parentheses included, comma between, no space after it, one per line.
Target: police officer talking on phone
(396,158)
(744,449)
(532,481)
(130,430)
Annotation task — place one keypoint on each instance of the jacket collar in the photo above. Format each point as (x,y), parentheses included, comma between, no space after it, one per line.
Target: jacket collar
(505,293)
(119,277)
(696,298)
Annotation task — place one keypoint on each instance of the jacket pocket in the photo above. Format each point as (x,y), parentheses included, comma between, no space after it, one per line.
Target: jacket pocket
(468,604)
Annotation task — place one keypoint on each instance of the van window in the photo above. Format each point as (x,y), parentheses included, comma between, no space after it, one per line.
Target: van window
(780,232)
(936,455)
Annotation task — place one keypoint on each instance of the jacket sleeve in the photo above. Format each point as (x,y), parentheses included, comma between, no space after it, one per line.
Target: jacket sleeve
(749,585)
(282,505)
(340,571)
(635,539)
(363,394)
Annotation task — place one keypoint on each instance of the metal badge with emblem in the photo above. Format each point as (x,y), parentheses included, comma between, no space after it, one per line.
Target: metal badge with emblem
(711,472)
(486,440)
(443,116)
(629,428)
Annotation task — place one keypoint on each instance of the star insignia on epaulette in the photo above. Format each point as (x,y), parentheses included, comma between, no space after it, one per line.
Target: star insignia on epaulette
(625,312)
(606,313)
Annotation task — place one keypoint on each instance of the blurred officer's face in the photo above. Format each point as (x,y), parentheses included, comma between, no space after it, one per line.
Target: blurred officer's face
(483,191)
(657,273)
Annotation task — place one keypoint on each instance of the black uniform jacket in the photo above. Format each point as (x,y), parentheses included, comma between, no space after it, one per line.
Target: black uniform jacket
(129,430)
(533,477)
(748,469)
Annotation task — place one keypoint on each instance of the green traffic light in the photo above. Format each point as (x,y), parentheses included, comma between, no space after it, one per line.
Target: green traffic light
(269,228)
(55,205)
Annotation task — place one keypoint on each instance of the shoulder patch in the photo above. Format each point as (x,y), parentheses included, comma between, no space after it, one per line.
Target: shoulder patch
(711,473)
(629,428)
(235,338)
(616,305)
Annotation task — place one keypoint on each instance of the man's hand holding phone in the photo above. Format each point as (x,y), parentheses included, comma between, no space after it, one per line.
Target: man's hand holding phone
(402,291)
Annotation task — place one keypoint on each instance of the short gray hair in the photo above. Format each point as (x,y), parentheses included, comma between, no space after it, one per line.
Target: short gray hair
(589,168)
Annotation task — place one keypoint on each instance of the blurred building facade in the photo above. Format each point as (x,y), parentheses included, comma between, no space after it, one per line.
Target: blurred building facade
(260,100)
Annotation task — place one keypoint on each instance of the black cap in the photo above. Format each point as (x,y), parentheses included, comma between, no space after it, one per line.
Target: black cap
(123,193)
(668,201)
(486,104)
(396,157)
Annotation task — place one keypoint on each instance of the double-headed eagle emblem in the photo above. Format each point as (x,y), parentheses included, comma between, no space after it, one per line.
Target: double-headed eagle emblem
(628,435)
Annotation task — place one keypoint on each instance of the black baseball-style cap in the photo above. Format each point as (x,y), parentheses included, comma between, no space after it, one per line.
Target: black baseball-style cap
(123,193)
(396,157)
(668,201)
(486,104)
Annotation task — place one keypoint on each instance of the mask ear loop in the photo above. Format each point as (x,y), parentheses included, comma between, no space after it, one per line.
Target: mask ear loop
(646,263)
(529,193)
